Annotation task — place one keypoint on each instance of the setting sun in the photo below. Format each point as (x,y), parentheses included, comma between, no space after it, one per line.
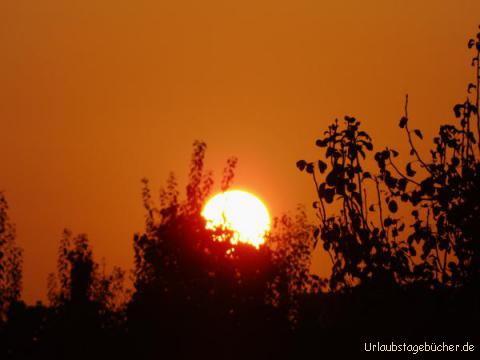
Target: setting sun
(241,212)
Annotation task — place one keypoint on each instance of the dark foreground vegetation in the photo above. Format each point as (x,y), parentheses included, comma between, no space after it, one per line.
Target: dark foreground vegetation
(403,239)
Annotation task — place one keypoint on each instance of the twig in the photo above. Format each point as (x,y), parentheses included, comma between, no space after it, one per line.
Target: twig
(401,174)
(409,135)
(379,204)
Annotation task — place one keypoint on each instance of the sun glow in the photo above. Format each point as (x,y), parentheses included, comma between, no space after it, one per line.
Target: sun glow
(242,213)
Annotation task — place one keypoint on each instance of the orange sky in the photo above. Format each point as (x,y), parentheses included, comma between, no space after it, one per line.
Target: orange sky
(96,94)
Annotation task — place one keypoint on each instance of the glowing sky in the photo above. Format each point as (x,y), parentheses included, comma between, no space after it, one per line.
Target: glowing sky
(96,94)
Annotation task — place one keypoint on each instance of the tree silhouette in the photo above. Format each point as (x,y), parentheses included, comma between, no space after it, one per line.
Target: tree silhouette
(444,197)
(444,192)
(292,244)
(10,262)
(80,279)
(86,313)
(419,272)
(187,276)
(361,248)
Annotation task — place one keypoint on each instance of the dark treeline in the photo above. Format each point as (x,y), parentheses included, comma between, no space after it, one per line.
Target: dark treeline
(403,239)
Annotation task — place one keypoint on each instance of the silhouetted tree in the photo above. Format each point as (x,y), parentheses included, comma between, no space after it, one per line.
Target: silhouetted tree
(87,304)
(79,279)
(192,285)
(444,192)
(409,276)
(292,242)
(361,248)
(10,262)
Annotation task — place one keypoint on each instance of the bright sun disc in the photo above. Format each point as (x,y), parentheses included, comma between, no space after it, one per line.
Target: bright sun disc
(241,212)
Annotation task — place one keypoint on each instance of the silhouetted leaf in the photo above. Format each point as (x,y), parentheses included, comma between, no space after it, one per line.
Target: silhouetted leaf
(322,166)
(364,134)
(310,168)
(392,206)
(410,171)
(332,177)
(418,133)
(403,122)
(321,143)
(402,184)
(457,110)
(328,195)
(301,164)
(362,152)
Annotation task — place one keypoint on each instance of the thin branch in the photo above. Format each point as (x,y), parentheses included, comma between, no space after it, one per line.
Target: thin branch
(379,204)
(401,174)
(409,135)
(324,214)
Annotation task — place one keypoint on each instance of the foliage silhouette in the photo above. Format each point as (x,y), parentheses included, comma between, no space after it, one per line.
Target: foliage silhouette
(195,294)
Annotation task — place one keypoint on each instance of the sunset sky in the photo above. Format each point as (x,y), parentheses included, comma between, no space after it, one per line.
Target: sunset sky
(96,94)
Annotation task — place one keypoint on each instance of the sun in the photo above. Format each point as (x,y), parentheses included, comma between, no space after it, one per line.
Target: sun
(239,211)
